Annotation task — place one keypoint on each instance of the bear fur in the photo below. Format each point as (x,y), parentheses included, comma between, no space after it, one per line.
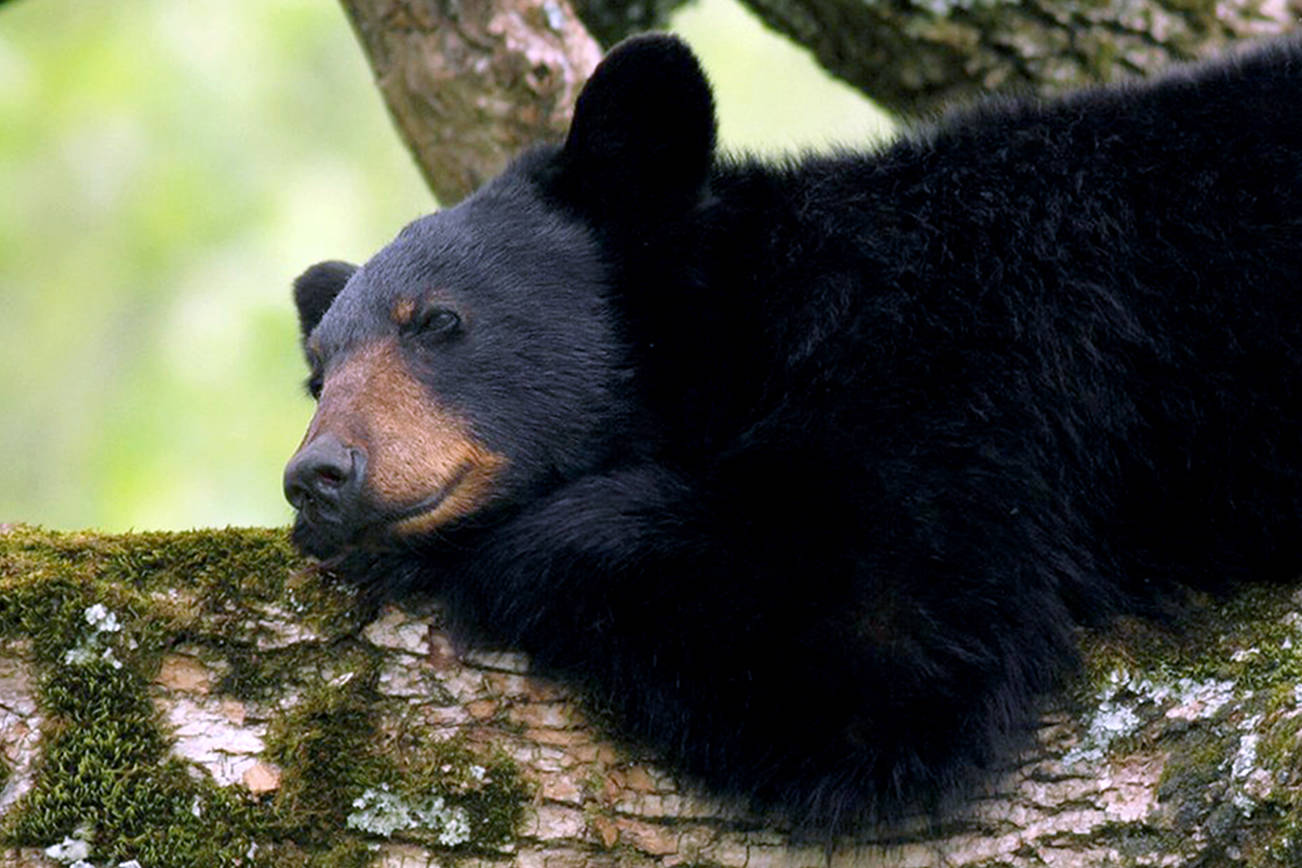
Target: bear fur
(805,472)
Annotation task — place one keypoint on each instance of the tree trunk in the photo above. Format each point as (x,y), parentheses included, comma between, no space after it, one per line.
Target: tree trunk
(189,699)
(469,83)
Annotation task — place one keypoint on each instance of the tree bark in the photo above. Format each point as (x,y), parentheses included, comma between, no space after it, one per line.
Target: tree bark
(917,57)
(310,725)
(469,83)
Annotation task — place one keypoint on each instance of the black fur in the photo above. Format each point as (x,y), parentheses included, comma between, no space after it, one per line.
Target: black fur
(816,465)
(315,290)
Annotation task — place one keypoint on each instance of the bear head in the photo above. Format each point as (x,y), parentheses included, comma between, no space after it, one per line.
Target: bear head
(480,357)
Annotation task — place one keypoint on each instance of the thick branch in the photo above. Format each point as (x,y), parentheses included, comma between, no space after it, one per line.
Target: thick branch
(209,676)
(469,84)
(915,57)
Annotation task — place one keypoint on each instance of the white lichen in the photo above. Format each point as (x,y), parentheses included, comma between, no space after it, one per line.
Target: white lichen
(1244,764)
(94,645)
(555,15)
(1110,722)
(1112,719)
(101,619)
(69,851)
(380,811)
(943,8)
(1119,700)
(1198,700)
(451,822)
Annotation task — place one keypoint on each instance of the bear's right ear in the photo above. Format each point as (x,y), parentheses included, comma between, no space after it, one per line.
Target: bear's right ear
(643,134)
(316,288)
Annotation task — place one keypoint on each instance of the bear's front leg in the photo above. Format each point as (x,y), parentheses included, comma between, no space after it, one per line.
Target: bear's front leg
(828,689)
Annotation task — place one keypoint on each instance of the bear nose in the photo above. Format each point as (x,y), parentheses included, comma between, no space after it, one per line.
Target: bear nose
(322,475)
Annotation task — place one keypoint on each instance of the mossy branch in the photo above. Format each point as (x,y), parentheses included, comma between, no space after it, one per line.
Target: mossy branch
(207,698)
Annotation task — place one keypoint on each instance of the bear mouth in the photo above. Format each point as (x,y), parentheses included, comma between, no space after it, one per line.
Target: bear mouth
(375,528)
(422,515)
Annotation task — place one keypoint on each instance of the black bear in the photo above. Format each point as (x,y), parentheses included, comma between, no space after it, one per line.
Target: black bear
(805,472)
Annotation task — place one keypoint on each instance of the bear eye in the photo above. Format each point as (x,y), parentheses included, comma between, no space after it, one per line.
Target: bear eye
(314,384)
(437,322)
(316,377)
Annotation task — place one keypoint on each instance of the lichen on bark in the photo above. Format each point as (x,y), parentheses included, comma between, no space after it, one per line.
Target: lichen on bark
(208,698)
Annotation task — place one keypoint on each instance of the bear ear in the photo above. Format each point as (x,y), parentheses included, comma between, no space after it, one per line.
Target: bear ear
(316,288)
(643,132)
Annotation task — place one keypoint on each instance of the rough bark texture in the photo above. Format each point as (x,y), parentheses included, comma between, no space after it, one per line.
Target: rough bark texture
(915,57)
(469,84)
(322,733)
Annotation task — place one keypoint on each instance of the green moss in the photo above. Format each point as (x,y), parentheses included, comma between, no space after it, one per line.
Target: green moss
(260,673)
(489,789)
(1275,838)
(99,613)
(351,853)
(343,772)
(1232,770)
(159,583)
(328,745)
(89,607)
(1279,748)
(1193,780)
(1248,638)
(104,766)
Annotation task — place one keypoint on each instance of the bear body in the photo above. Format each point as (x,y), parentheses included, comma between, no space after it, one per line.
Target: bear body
(804,473)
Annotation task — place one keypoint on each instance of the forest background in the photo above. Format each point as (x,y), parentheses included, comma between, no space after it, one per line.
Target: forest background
(166,170)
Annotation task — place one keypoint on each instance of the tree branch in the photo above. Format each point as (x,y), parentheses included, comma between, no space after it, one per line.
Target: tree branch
(218,680)
(917,57)
(470,84)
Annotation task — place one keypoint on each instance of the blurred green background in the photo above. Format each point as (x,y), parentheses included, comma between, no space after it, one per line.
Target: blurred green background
(166,169)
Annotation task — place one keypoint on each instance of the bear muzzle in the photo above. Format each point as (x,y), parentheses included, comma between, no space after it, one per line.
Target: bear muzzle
(383,458)
(323,480)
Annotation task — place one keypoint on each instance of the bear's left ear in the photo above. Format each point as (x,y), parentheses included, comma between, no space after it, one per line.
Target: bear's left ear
(643,131)
(315,290)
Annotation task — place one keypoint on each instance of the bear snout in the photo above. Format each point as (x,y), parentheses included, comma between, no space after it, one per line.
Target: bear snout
(323,480)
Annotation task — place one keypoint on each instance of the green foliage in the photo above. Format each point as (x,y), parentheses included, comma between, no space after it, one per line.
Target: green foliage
(167,170)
